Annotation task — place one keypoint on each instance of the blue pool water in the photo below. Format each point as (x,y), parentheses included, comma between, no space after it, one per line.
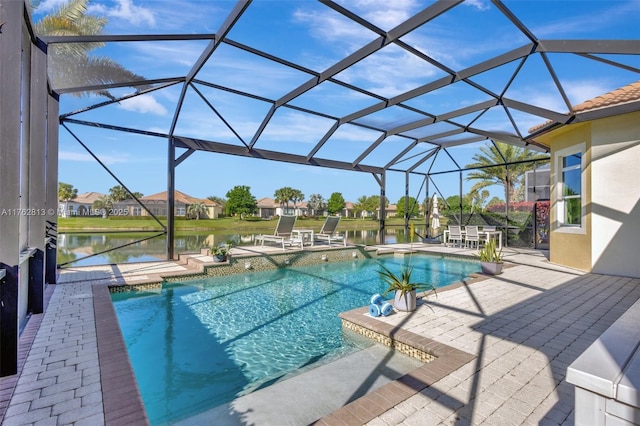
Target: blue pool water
(198,344)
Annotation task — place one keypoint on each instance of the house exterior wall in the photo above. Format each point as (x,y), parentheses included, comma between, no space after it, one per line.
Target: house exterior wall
(615,193)
(571,249)
(610,240)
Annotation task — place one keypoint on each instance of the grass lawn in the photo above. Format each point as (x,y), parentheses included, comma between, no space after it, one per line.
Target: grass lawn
(84,224)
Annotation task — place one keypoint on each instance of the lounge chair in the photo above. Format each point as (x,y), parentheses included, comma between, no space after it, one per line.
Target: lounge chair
(328,231)
(282,234)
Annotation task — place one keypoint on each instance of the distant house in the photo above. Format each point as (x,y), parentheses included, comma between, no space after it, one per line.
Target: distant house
(348,210)
(268,208)
(390,211)
(79,206)
(157,204)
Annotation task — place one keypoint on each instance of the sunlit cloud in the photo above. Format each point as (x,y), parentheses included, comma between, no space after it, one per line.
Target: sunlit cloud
(145,104)
(85,157)
(46,6)
(580,91)
(297,127)
(478,4)
(125,10)
(588,22)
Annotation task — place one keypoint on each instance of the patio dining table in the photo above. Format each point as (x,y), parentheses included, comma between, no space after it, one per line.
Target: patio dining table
(488,234)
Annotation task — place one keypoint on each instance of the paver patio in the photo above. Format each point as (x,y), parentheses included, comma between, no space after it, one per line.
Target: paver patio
(524,327)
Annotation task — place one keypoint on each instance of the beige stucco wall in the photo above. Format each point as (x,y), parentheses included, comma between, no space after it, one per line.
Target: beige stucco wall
(615,192)
(610,243)
(570,249)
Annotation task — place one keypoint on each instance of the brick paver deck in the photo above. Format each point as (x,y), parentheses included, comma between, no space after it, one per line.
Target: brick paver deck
(522,328)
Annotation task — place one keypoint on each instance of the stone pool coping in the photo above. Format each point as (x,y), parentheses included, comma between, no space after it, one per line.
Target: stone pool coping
(440,361)
(122,402)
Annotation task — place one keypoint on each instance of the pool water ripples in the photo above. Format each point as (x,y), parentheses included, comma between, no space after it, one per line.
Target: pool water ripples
(202,343)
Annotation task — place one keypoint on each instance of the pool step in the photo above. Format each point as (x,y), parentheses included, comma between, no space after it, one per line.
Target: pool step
(396,251)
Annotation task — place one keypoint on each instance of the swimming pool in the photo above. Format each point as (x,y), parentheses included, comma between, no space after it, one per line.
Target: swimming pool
(198,344)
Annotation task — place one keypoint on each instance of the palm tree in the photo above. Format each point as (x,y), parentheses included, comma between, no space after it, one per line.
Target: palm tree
(283,196)
(296,196)
(118,193)
(493,170)
(196,209)
(316,203)
(105,204)
(70,64)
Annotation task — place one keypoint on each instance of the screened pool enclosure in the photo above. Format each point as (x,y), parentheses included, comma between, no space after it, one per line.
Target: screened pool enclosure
(410,95)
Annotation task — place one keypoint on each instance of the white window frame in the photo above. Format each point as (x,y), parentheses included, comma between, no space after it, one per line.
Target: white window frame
(559,183)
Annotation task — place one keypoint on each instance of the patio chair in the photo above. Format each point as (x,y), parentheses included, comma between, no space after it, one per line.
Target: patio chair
(328,231)
(455,234)
(472,237)
(282,234)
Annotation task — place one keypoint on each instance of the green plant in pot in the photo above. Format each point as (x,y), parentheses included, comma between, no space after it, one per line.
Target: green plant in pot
(405,290)
(221,252)
(490,258)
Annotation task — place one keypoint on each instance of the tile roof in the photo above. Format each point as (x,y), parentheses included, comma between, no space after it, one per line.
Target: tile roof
(179,197)
(88,197)
(618,96)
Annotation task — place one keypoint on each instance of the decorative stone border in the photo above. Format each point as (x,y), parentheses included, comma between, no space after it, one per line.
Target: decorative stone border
(446,360)
(401,347)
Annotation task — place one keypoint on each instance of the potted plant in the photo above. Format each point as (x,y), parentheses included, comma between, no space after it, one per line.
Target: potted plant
(490,258)
(405,290)
(220,252)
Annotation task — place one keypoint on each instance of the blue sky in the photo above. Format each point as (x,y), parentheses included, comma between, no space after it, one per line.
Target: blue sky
(316,37)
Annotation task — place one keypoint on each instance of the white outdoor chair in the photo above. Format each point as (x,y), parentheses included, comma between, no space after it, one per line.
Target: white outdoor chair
(472,237)
(455,234)
(328,231)
(282,234)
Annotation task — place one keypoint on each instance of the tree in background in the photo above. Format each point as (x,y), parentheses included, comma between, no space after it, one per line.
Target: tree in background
(196,210)
(118,193)
(414,208)
(286,195)
(283,196)
(316,203)
(493,170)
(66,192)
(240,201)
(221,201)
(70,64)
(360,206)
(105,204)
(296,197)
(336,203)
(369,204)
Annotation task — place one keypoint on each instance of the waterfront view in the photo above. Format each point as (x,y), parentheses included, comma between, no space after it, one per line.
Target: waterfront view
(73,247)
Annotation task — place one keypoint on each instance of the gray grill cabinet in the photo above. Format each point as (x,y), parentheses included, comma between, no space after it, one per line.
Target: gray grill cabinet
(607,375)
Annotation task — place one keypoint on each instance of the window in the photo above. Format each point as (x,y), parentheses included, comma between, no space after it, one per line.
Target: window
(570,187)
(181,211)
(137,211)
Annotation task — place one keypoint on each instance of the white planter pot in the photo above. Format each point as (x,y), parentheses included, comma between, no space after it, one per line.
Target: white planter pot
(405,302)
(491,268)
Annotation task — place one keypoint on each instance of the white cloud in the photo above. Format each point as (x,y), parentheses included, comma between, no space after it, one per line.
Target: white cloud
(48,5)
(85,157)
(478,4)
(143,104)
(126,10)
(297,127)
(580,91)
